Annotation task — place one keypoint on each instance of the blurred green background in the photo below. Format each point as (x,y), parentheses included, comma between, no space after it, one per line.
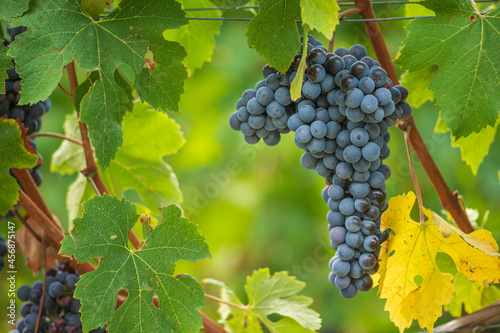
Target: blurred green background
(256,206)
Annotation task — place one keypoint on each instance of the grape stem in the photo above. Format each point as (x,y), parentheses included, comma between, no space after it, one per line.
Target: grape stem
(414,175)
(43,291)
(448,200)
(348,12)
(56,135)
(91,169)
(26,224)
(475,7)
(65,91)
(219,300)
(331,43)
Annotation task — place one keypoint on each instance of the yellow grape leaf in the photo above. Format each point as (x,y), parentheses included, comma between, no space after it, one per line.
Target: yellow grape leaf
(410,279)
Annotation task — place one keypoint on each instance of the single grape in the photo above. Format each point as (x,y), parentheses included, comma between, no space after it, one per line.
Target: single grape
(247,95)
(246,129)
(360,177)
(354,239)
(317,56)
(308,161)
(372,213)
(359,69)
(359,51)
(366,85)
(349,292)
(369,104)
(337,234)
(318,129)
(331,276)
(352,154)
(347,206)
(282,96)
(257,122)
(378,75)
(403,92)
(254,107)
(334,218)
(258,85)
(264,96)
(365,283)
(367,60)
(284,79)
(333,204)
(267,70)
(341,267)
(23,293)
(356,270)
(361,165)
(251,139)
(316,145)
(353,224)
(316,73)
(383,96)
(329,160)
(272,139)
(56,289)
(359,137)
(341,51)
(242,114)
(273,109)
(371,243)
(367,260)
(328,83)
(261,132)
(368,227)
(342,282)
(272,82)
(370,151)
(322,115)
(354,98)
(344,170)
(306,113)
(349,82)
(336,192)
(311,90)
(349,60)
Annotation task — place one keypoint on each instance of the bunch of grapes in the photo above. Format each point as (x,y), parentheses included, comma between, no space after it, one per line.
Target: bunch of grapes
(341,121)
(3,252)
(60,311)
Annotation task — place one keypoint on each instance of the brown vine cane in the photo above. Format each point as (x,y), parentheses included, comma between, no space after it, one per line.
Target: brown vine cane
(448,200)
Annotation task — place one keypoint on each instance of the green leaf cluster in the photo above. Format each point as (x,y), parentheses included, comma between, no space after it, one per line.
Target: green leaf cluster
(102,233)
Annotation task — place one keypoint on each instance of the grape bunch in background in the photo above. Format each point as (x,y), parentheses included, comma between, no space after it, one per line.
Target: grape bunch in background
(60,311)
(3,252)
(29,115)
(341,122)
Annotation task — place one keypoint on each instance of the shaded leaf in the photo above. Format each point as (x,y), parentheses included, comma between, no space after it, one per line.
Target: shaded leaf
(418,83)
(69,157)
(5,63)
(274,34)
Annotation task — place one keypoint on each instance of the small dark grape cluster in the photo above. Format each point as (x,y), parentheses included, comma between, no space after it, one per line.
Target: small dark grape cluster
(3,252)
(341,121)
(60,311)
(263,112)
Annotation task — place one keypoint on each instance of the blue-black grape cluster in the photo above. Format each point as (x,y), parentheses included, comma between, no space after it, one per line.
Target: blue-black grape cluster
(60,311)
(341,121)
(3,252)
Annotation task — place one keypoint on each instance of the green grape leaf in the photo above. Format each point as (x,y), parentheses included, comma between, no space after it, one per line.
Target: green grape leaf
(234,3)
(296,86)
(274,34)
(268,295)
(12,8)
(111,102)
(121,37)
(162,87)
(69,157)
(464,46)
(473,148)
(5,63)
(13,154)
(322,15)
(102,232)
(197,37)
(148,137)
(417,82)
